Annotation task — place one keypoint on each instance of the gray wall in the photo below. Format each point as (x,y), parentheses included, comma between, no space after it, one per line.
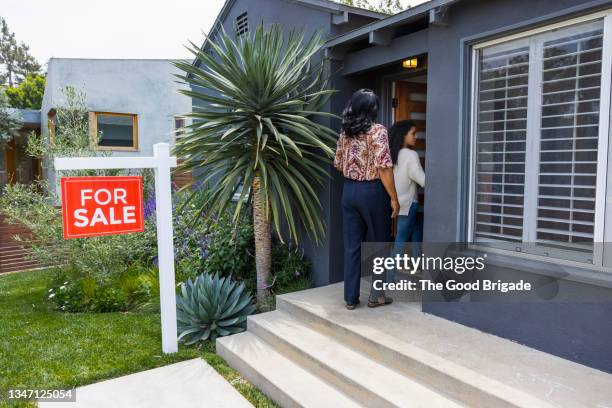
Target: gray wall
(576,331)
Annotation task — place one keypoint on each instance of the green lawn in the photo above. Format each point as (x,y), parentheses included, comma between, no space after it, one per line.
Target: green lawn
(43,348)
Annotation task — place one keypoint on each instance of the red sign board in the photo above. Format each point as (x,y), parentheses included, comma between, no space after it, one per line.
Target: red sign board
(94,206)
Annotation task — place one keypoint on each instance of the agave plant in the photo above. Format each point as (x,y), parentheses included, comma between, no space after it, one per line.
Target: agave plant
(210,307)
(255,135)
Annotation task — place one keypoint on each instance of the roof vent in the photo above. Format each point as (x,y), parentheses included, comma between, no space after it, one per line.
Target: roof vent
(242,24)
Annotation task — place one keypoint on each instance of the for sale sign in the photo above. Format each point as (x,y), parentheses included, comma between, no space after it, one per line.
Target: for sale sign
(94,206)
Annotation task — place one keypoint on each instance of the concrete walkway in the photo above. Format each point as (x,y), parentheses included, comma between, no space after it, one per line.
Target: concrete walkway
(191,383)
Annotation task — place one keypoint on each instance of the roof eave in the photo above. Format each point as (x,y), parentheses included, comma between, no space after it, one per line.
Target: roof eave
(405,16)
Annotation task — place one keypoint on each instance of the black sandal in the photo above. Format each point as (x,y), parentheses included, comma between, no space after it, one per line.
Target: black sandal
(381,301)
(351,306)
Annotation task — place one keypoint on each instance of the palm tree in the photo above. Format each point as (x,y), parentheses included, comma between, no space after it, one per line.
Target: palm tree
(255,136)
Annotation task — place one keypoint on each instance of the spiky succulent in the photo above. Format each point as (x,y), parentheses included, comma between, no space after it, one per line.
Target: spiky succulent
(210,307)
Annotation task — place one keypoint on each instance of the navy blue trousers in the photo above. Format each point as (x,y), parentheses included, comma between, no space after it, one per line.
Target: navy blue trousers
(366,217)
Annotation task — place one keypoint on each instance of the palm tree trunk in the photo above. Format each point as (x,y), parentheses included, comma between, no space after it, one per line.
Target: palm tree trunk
(263,244)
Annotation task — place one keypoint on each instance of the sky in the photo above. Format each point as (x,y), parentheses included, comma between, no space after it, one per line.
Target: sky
(111,28)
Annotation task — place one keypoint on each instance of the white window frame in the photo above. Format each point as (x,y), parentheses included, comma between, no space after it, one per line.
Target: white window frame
(603,207)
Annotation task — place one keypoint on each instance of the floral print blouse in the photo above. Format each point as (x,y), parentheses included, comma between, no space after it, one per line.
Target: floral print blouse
(360,157)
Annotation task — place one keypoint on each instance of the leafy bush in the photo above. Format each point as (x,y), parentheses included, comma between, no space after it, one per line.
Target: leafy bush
(109,299)
(67,296)
(137,288)
(210,307)
(190,235)
(290,270)
(230,250)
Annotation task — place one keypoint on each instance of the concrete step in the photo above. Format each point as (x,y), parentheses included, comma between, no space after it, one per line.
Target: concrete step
(475,368)
(367,381)
(281,379)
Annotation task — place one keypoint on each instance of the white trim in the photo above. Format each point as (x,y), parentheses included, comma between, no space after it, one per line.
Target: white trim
(533,136)
(532,139)
(602,144)
(473,145)
(545,28)
(542,258)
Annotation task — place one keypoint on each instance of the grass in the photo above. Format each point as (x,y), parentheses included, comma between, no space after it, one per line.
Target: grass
(43,348)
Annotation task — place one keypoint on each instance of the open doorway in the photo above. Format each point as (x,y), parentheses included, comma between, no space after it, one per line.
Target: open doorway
(409,102)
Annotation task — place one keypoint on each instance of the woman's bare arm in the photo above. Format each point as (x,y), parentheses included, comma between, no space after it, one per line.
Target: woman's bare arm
(386,176)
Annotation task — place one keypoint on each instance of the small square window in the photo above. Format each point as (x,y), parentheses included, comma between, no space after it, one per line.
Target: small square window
(116,131)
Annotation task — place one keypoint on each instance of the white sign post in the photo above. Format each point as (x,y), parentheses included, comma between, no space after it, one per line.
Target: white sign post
(161,163)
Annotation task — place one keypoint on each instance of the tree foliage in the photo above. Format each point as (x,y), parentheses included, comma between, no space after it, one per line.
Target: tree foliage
(28,94)
(10,121)
(15,58)
(381,6)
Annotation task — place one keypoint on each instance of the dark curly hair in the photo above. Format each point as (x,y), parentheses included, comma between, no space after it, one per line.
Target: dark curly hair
(397,133)
(360,112)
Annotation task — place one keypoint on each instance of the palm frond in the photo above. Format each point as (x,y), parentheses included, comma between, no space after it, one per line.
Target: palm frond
(259,97)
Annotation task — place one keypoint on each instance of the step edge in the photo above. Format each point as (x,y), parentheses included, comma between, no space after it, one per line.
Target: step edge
(236,360)
(255,377)
(447,370)
(344,382)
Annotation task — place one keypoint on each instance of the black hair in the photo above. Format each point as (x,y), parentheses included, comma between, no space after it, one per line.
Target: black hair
(397,134)
(360,112)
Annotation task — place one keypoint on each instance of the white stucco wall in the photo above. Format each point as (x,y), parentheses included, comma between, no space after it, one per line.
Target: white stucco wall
(144,87)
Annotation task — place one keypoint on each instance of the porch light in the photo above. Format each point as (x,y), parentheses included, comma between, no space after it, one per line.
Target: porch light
(410,63)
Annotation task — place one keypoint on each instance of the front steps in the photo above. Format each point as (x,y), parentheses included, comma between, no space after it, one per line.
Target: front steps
(312,352)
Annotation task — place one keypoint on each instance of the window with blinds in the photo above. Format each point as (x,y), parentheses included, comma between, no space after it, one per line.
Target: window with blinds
(501,140)
(537,114)
(571,79)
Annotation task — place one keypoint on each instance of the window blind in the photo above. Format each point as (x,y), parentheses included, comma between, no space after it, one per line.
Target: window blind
(571,79)
(501,142)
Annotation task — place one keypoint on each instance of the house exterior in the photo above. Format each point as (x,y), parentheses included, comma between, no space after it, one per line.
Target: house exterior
(512,103)
(132,103)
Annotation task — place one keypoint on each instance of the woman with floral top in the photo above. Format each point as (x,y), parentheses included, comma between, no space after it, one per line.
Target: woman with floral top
(369,199)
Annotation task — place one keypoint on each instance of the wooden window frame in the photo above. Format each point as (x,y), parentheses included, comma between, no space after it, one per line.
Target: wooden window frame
(51,117)
(93,131)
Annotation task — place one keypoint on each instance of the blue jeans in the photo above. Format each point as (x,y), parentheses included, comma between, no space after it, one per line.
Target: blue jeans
(366,216)
(406,231)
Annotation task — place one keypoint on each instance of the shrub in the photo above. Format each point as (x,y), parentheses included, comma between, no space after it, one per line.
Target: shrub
(291,271)
(230,250)
(68,296)
(109,299)
(210,307)
(137,288)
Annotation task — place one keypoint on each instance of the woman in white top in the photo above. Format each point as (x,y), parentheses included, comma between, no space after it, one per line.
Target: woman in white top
(407,172)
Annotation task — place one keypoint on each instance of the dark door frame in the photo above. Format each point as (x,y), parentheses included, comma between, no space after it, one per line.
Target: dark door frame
(386,92)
